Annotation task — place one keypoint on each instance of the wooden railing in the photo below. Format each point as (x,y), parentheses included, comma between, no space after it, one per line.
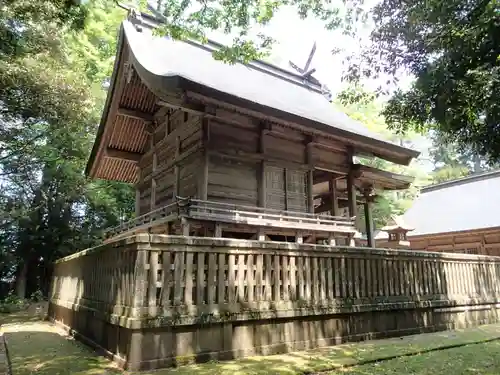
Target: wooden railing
(196,209)
(260,216)
(159,216)
(188,279)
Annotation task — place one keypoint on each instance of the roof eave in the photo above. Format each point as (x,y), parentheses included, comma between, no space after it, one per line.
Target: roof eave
(90,169)
(397,154)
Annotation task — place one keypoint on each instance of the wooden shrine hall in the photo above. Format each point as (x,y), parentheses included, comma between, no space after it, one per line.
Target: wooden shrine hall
(247,151)
(245,177)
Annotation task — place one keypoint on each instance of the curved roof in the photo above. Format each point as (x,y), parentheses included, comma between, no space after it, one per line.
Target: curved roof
(165,65)
(164,57)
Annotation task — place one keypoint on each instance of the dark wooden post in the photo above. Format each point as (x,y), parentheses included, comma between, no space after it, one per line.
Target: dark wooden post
(176,168)
(370,238)
(137,200)
(262,172)
(351,194)
(351,187)
(310,174)
(334,210)
(203,182)
(138,193)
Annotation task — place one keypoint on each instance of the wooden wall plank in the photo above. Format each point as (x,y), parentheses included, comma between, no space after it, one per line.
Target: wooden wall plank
(232,182)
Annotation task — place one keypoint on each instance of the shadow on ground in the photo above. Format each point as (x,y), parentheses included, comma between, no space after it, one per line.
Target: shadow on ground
(42,348)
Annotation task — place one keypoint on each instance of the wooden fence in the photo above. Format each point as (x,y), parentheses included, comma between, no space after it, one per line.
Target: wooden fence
(155,277)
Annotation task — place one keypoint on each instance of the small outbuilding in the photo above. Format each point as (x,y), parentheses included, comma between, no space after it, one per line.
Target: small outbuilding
(392,236)
(459,216)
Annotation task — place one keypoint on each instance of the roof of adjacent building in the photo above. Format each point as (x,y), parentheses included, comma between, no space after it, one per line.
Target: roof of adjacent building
(165,65)
(465,204)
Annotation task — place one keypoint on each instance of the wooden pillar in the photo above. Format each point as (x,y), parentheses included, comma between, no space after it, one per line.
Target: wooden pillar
(310,197)
(185,227)
(285,179)
(310,176)
(176,167)
(153,194)
(218,230)
(369,221)
(167,126)
(261,235)
(203,178)
(262,169)
(299,238)
(331,240)
(137,201)
(351,194)
(152,203)
(334,211)
(351,188)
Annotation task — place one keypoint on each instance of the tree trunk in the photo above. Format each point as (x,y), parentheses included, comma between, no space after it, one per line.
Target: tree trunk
(477,164)
(21,281)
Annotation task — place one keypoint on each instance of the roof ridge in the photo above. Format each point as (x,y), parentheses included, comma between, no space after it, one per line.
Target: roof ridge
(153,20)
(461,181)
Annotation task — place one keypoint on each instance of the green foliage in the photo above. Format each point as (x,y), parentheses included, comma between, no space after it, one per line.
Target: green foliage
(50,102)
(186,19)
(452,162)
(452,49)
(12,303)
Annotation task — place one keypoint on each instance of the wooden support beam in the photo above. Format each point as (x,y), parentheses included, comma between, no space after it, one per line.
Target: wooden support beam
(351,187)
(333,146)
(137,201)
(218,230)
(138,115)
(203,177)
(184,105)
(331,240)
(261,236)
(262,173)
(370,237)
(120,154)
(153,194)
(310,175)
(321,175)
(370,147)
(185,227)
(257,157)
(176,168)
(351,195)
(299,238)
(334,210)
(351,242)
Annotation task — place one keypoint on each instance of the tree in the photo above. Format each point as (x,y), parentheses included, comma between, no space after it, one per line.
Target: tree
(48,116)
(186,19)
(452,49)
(451,162)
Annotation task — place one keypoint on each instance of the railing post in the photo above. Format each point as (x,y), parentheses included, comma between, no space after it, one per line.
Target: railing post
(140,283)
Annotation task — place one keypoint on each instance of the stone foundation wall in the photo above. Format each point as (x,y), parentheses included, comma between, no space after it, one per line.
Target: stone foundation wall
(151,348)
(151,301)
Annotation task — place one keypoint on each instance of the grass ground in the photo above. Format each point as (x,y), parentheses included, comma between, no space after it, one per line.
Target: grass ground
(37,347)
